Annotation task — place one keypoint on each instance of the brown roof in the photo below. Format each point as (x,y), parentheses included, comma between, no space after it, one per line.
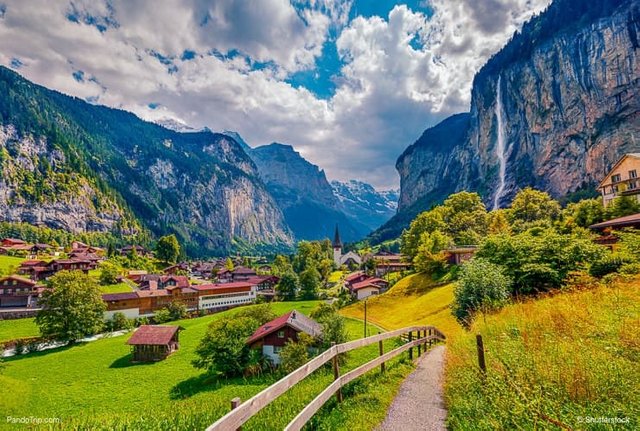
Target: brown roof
(630,220)
(20,279)
(223,287)
(354,275)
(294,319)
(119,296)
(153,335)
(370,282)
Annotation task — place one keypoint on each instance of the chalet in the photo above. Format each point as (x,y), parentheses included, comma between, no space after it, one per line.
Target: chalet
(136,275)
(459,255)
(11,242)
(272,336)
(19,292)
(370,286)
(156,281)
(77,246)
(622,179)
(40,248)
(264,269)
(206,270)
(39,270)
(178,268)
(152,343)
(151,301)
(240,273)
(355,277)
(386,262)
(127,303)
(91,257)
(128,249)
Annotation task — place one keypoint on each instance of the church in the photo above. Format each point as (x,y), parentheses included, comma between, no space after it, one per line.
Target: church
(351,259)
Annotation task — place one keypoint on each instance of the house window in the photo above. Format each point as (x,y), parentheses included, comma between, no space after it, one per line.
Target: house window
(615,178)
(614,189)
(633,174)
(280,334)
(277,349)
(632,185)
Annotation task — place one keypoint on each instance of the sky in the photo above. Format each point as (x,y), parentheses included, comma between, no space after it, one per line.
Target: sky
(349,83)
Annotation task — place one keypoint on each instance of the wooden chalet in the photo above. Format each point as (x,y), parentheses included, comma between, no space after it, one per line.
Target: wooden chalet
(19,292)
(272,336)
(367,287)
(459,255)
(151,343)
(11,242)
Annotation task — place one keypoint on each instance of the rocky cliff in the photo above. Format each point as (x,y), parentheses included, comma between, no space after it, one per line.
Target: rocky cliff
(303,193)
(201,186)
(554,109)
(360,201)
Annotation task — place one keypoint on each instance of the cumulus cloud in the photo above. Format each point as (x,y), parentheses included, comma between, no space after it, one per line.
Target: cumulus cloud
(225,65)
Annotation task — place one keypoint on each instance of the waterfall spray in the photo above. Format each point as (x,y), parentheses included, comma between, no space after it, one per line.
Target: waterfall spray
(500,146)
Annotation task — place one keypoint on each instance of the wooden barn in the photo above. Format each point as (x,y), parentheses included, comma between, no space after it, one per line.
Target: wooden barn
(153,343)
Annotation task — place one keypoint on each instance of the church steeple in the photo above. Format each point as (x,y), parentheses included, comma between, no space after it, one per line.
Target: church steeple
(336,239)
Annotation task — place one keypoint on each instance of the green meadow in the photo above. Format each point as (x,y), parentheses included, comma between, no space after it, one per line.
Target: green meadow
(17,328)
(94,385)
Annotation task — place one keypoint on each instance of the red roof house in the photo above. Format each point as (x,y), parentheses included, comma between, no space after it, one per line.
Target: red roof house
(273,335)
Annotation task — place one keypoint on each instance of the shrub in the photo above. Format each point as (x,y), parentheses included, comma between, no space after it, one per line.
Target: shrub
(608,264)
(482,286)
(162,316)
(262,313)
(119,322)
(109,273)
(630,268)
(295,354)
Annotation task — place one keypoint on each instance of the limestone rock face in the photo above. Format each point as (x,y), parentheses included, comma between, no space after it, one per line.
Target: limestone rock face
(570,108)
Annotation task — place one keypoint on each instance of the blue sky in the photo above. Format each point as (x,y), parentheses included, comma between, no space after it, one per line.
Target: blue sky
(349,83)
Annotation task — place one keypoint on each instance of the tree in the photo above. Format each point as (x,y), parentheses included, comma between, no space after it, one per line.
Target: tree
(309,284)
(175,310)
(430,258)
(584,213)
(168,249)
(223,349)
(109,273)
(229,264)
(622,206)
(482,286)
(294,354)
(531,205)
(119,322)
(281,266)
(498,222)
(287,287)
(260,313)
(72,307)
(333,330)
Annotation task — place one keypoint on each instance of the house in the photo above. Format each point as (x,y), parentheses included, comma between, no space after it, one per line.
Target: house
(272,336)
(19,292)
(178,268)
(459,255)
(622,179)
(128,249)
(157,281)
(240,273)
(355,277)
(12,242)
(127,303)
(206,270)
(225,295)
(81,247)
(39,270)
(82,255)
(369,286)
(152,343)
(386,262)
(605,228)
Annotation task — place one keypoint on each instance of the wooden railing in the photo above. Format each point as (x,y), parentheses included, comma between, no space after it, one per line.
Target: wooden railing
(241,413)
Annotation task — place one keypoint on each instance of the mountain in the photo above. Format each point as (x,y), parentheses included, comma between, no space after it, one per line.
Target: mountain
(360,201)
(554,109)
(110,170)
(304,194)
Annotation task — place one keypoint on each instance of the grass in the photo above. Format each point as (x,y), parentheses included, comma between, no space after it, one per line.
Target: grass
(550,362)
(116,288)
(9,264)
(414,300)
(17,328)
(95,386)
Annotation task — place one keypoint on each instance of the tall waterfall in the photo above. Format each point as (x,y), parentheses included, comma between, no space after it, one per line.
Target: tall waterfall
(500,147)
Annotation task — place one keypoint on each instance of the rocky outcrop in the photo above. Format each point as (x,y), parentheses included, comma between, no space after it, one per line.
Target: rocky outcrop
(360,201)
(303,193)
(570,107)
(36,188)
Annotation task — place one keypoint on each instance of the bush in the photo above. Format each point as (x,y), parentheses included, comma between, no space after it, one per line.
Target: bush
(295,354)
(608,264)
(139,321)
(482,286)
(109,273)
(162,316)
(630,269)
(262,313)
(119,322)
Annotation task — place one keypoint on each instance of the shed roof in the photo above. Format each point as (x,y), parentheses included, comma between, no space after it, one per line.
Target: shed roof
(630,220)
(153,335)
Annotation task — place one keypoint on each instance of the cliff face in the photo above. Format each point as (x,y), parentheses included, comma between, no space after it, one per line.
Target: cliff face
(567,107)
(303,193)
(360,201)
(570,109)
(201,186)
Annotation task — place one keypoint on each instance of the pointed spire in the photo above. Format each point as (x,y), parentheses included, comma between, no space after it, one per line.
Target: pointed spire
(336,239)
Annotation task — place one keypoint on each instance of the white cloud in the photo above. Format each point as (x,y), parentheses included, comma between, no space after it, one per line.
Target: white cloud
(402,72)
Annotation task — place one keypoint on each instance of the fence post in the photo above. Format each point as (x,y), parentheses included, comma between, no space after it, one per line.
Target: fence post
(481,361)
(381,348)
(420,344)
(336,374)
(410,348)
(235,403)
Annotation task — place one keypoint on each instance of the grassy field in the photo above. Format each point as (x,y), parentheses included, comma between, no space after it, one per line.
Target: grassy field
(414,300)
(116,288)
(551,364)
(94,385)
(8,263)
(17,328)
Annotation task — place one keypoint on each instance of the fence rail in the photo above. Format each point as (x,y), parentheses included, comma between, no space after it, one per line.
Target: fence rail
(245,411)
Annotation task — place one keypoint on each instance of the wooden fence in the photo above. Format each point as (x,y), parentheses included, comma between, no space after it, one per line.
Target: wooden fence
(241,413)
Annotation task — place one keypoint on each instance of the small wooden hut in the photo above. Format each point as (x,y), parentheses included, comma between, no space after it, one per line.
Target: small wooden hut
(153,343)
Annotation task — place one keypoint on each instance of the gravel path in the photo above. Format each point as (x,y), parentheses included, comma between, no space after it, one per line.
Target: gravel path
(419,404)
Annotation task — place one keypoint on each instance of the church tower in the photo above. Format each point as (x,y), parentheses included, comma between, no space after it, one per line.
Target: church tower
(337,247)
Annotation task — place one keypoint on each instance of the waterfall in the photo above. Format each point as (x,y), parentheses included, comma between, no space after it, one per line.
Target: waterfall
(500,146)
